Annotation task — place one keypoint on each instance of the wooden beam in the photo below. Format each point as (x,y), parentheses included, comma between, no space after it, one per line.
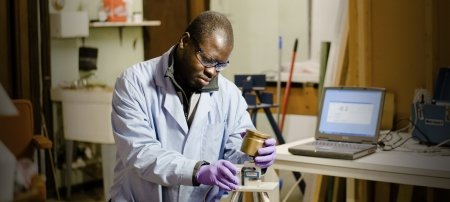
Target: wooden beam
(337,57)
(430,43)
(5,55)
(405,192)
(21,61)
(382,192)
(195,8)
(341,67)
(360,43)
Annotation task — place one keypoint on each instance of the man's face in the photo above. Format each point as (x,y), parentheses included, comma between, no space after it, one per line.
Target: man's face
(195,66)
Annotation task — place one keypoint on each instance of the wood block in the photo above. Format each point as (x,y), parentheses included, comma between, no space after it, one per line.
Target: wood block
(42,142)
(362,190)
(319,189)
(382,191)
(302,100)
(405,192)
(350,190)
(387,120)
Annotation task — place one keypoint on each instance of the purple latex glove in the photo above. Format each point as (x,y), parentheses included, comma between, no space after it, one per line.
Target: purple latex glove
(266,154)
(222,173)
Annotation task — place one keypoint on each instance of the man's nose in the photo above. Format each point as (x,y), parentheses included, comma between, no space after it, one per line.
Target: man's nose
(210,72)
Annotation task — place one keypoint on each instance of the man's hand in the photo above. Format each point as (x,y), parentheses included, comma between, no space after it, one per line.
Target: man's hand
(222,173)
(266,154)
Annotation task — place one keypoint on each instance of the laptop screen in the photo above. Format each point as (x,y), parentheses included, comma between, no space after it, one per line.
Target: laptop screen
(351,112)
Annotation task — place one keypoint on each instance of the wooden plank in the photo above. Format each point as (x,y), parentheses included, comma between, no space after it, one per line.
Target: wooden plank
(336,57)
(22,57)
(441,8)
(430,194)
(5,55)
(364,43)
(405,193)
(336,187)
(362,190)
(352,71)
(387,120)
(382,192)
(341,62)
(397,45)
(360,53)
(430,43)
(398,40)
(350,190)
(302,100)
(319,189)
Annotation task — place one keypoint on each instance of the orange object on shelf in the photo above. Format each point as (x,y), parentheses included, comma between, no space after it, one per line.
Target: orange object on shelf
(116,10)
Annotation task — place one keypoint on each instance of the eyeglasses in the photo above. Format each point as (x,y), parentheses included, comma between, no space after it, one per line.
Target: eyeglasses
(206,60)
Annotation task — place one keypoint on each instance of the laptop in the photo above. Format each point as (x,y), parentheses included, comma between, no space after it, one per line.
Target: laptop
(349,124)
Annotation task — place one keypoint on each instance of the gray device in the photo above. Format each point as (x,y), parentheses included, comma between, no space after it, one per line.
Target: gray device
(349,124)
(432,120)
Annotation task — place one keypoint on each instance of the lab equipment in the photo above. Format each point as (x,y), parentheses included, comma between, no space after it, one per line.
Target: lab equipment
(250,173)
(431,121)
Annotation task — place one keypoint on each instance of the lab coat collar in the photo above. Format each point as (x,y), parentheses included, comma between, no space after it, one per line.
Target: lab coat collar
(161,69)
(169,97)
(173,105)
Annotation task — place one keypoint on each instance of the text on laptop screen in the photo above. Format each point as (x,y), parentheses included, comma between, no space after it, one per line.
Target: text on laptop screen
(350,112)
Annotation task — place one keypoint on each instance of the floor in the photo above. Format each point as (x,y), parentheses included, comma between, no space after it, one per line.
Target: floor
(93,191)
(288,183)
(87,192)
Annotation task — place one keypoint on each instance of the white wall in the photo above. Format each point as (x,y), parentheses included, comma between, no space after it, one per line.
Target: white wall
(326,23)
(257,25)
(113,57)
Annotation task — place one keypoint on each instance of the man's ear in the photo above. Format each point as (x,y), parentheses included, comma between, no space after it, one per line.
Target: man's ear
(184,38)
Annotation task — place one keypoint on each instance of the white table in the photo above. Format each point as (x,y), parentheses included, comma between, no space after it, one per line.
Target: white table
(386,166)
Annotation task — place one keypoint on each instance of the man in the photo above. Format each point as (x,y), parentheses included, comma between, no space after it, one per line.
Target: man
(177,122)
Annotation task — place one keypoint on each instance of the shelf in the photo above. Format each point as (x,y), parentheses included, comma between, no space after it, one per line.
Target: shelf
(126,24)
(121,25)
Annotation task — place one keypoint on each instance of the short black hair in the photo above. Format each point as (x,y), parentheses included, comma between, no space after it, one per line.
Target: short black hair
(205,24)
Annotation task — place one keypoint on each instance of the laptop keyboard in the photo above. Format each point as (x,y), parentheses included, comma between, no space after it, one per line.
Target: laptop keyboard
(339,144)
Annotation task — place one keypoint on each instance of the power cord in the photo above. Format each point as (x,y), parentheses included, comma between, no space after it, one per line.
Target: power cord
(385,137)
(400,141)
(389,136)
(395,145)
(436,148)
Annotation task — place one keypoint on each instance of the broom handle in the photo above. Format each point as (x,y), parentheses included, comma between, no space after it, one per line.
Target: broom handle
(288,87)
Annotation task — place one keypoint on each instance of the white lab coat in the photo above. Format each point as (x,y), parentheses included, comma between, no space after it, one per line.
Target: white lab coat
(156,151)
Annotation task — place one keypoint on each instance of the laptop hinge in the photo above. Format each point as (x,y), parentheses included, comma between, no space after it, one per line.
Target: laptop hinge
(366,142)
